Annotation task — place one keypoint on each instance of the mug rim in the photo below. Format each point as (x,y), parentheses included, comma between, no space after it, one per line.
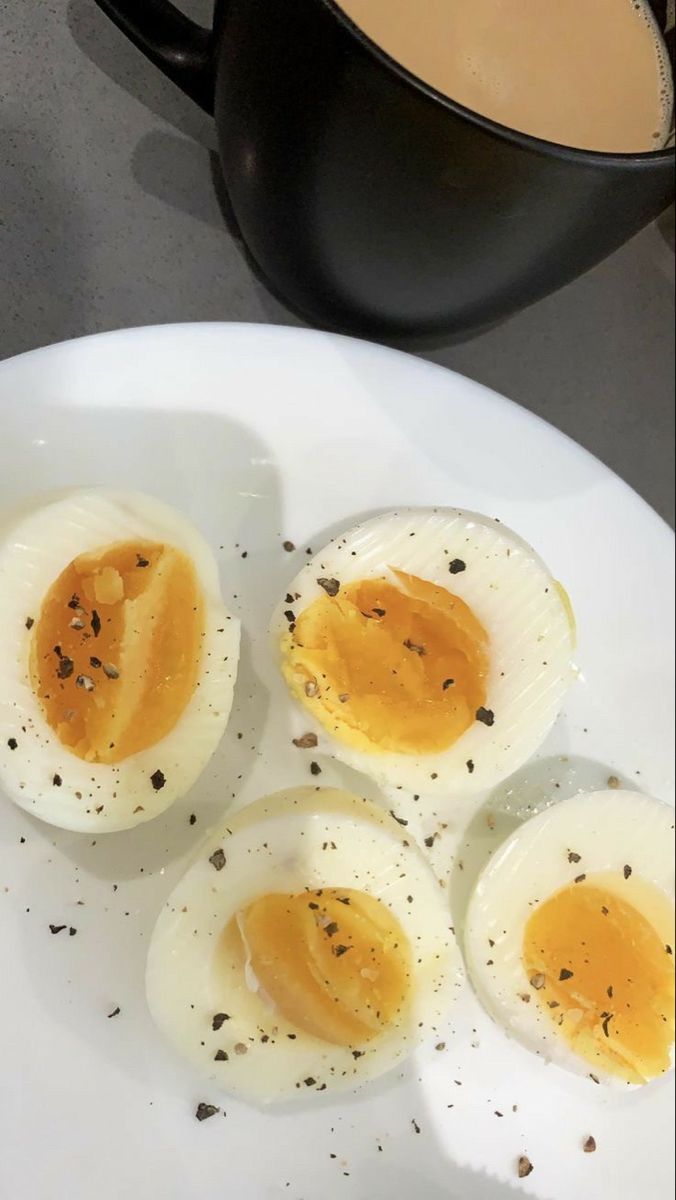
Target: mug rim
(639,159)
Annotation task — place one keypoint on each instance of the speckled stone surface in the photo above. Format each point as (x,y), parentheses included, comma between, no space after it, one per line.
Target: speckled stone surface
(109,218)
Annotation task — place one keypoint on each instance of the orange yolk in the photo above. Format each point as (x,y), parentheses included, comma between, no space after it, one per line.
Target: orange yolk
(605,977)
(334,963)
(116,650)
(389,668)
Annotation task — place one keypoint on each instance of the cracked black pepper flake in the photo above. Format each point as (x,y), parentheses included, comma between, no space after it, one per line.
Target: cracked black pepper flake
(56,928)
(12,743)
(380,612)
(486,716)
(330,586)
(309,1082)
(240,1048)
(74,602)
(429,841)
(290,615)
(579,879)
(158,780)
(217,859)
(65,668)
(340,950)
(415,1125)
(71,931)
(288,546)
(315,768)
(96,623)
(331,929)
(414,647)
(57,781)
(307,741)
(605,1023)
(220,1056)
(448,683)
(192,819)
(668,949)
(84,681)
(29,622)
(594,1078)
(538,981)
(524,1167)
(573,857)
(627,871)
(589,1145)
(204,1111)
(115,1013)
(399,820)
(95,662)
(470,766)
(457,566)
(312,905)
(565,974)
(358,1053)
(218,1019)
(141,561)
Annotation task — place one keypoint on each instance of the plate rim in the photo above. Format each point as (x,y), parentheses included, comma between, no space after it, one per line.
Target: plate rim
(302,333)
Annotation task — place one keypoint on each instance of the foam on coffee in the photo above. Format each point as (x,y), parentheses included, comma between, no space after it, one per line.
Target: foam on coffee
(595,76)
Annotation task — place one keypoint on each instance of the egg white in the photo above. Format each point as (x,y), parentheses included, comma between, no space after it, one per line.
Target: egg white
(36,546)
(302,838)
(514,596)
(608,830)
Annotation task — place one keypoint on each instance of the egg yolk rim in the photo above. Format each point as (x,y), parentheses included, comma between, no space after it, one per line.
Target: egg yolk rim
(117,648)
(334,963)
(388,666)
(599,967)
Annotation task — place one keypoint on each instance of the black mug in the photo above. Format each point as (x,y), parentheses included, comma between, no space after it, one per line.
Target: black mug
(369,201)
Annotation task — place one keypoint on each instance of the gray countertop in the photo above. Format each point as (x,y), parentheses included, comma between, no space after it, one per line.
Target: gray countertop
(108,218)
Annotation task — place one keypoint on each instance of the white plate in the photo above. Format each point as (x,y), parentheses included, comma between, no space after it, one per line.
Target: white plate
(262,435)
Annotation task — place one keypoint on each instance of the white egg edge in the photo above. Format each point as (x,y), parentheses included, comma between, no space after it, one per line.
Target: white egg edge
(494,753)
(597,826)
(48,534)
(180,972)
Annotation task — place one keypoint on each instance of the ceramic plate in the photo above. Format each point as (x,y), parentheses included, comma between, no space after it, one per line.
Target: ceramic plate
(263,435)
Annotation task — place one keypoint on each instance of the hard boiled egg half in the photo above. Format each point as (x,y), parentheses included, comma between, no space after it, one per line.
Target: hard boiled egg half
(570,936)
(118,658)
(432,647)
(308,948)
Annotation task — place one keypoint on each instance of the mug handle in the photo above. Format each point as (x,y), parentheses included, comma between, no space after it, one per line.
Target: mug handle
(181,48)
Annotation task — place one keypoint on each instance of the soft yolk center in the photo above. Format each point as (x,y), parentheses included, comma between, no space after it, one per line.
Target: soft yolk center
(334,963)
(389,668)
(116,650)
(604,975)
